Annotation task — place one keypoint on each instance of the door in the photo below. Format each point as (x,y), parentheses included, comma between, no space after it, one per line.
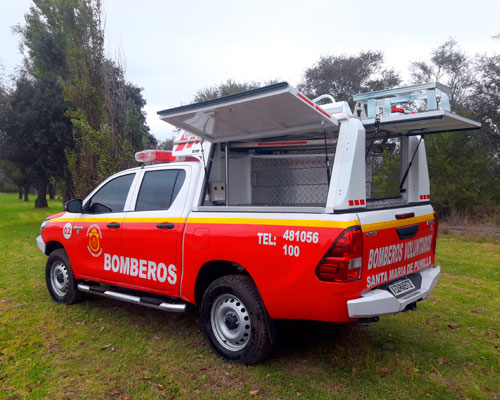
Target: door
(97,231)
(152,232)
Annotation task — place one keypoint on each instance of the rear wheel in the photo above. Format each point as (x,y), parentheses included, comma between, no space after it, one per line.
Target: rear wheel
(235,320)
(60,280)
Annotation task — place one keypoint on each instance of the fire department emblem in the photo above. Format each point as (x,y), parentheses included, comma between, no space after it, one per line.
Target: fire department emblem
(95,236)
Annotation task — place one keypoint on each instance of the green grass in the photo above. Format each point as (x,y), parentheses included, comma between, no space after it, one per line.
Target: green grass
(101,348)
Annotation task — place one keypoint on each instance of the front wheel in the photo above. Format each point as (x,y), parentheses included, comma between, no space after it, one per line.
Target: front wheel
(235,320)
(60,280)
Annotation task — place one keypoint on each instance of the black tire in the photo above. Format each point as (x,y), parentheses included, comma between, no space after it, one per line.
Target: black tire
(235,320)
(59,278)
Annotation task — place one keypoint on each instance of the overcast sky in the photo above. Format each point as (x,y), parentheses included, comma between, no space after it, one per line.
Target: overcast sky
(174,48)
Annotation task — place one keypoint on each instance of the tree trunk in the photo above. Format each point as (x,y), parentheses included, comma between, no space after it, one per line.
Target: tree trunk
(68,193)
(41,200)
(66,196)
(26,190)
(52,191)
(20,190)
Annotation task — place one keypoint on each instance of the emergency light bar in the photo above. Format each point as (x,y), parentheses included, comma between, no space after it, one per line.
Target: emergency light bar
(160,156)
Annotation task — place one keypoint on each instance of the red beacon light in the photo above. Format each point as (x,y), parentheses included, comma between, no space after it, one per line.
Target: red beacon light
(160,156)
(152,156)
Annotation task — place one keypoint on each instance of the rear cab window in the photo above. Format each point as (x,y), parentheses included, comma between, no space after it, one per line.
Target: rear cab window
(159,189)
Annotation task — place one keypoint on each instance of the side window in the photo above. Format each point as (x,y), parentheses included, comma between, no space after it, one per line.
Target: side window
(112,196)
(159,189)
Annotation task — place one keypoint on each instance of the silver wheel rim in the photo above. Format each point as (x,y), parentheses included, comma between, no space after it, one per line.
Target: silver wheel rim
(230,322)
(59,278)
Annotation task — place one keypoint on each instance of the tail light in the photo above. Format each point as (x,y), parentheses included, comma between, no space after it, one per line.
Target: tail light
(344,259)
(434,239)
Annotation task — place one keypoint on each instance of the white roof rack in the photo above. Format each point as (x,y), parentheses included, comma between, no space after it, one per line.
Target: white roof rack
(382,115)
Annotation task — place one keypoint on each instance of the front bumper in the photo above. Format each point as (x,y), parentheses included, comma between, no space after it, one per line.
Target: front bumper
(40,243)
(379,302)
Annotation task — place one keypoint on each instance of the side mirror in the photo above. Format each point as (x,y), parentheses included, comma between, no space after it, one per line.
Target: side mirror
(74,206)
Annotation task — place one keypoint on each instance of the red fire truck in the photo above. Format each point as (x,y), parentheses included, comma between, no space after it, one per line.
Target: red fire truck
(267,208)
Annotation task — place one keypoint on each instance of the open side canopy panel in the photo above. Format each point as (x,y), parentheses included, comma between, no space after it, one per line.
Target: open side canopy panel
(427,122)
(265,112)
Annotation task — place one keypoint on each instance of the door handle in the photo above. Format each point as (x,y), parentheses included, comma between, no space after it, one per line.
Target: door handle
(165,226)
(114,225)
(407,232)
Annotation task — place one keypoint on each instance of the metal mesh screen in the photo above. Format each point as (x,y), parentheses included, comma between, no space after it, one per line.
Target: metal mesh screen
(289,181)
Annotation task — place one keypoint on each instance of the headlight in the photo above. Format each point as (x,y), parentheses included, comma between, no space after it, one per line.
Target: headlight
(44,224)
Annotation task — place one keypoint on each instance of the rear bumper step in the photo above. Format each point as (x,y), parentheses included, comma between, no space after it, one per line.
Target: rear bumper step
(379,302)
(142,301)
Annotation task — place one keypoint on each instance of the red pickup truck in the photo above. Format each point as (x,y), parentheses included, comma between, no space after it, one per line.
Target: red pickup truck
(263,211)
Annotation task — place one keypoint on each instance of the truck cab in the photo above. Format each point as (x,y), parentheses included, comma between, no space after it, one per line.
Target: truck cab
(267,208)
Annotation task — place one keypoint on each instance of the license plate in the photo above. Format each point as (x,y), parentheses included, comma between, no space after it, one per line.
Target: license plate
(401,286)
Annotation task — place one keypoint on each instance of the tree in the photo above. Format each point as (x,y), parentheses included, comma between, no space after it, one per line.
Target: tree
(65,41)
(52,135)
(486,101)
(450,66)
(464,168)
(17,176)
(127,121)
(464,177)
(344,76)
(16,120)
(35,133)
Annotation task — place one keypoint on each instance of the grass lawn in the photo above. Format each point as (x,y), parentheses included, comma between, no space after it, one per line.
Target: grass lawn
(449,348)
